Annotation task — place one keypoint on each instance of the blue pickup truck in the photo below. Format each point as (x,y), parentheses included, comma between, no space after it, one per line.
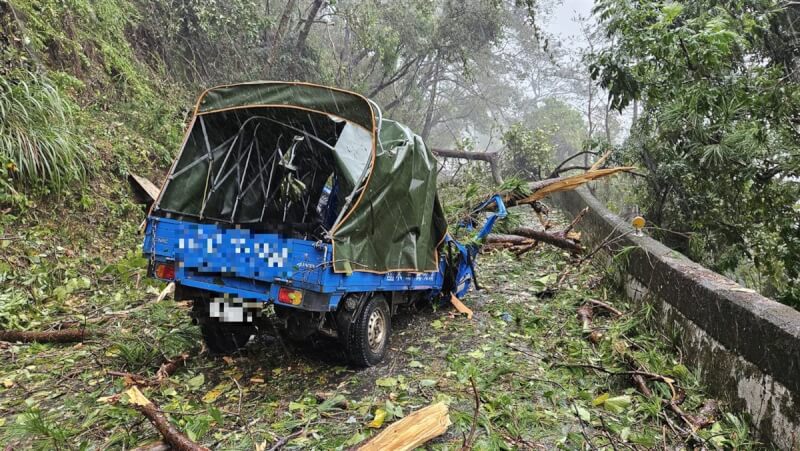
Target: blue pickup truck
(302,203)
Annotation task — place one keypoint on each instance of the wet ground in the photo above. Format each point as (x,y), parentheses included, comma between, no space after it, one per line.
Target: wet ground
(543,381)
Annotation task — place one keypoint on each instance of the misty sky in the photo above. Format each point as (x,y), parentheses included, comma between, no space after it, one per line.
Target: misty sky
(560,21)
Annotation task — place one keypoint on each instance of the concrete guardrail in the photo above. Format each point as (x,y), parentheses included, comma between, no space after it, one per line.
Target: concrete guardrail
(746,346)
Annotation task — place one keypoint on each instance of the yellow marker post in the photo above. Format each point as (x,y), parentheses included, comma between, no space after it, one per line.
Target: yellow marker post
(638,223)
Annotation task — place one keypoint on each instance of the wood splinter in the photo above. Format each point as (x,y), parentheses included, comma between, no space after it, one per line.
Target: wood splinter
(460,306)
(412,431)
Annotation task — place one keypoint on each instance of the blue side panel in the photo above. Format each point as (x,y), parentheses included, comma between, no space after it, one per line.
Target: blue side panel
(242,263)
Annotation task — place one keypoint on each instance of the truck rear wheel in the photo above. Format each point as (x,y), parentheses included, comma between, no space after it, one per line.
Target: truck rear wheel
(365,332)
(219,337)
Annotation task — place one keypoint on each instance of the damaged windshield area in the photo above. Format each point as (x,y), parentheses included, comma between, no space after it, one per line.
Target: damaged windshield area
(279,170)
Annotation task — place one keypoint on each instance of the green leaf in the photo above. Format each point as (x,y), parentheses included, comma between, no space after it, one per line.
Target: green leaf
(671,11)
(415,364)
(386,382)
(617,404)
(583,414)
(355,439)
(296,406)
(197,381)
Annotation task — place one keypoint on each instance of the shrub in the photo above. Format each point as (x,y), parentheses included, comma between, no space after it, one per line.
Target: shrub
(39,144)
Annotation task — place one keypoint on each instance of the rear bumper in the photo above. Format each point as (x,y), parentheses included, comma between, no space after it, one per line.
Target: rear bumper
(254,266)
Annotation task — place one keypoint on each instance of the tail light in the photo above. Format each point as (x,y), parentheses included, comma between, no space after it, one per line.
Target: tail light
(289,296)
(165,271)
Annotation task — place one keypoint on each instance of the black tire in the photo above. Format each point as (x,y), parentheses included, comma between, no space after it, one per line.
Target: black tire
(224,339)
(366,337)
(220,338)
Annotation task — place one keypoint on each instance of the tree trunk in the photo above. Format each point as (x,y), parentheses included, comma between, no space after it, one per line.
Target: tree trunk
(312,14)
(489,157)
(277,39)
(589,119)
(426,129)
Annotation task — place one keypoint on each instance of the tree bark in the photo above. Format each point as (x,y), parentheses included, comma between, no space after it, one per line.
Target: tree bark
(555,239)
(52,336)
(171,435)
(277,39)
(312,14)
(490,157)
(426,129)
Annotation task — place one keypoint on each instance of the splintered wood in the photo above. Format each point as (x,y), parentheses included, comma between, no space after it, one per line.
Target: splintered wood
(547,187)
(412,431)
(460,306)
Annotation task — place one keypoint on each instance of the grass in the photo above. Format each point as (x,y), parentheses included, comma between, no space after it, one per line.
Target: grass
(39,143)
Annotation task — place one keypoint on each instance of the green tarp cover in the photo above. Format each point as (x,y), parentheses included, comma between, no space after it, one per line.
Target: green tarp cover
(298,95)
(399,223)
(389,216)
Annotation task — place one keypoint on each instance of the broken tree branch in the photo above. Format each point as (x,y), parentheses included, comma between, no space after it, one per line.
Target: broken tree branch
(473,429)
(557,170)
(555,239)
(578,218)
(50,336)
(490,157)
(602,304)
(130,378)
(166,370)
(171,435)
(519,251)
(169,367)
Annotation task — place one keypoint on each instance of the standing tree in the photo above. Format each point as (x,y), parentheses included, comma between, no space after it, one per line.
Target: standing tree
(718,133)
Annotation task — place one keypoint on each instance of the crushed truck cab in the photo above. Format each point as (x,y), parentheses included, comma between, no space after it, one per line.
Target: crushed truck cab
(301,205)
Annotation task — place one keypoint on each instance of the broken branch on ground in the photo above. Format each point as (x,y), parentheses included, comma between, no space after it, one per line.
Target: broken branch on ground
(50,336)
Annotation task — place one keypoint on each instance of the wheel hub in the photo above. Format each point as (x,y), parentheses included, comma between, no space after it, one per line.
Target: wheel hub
(376,330)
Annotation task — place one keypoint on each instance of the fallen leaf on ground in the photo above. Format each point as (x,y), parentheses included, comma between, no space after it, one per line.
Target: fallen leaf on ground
(380,416)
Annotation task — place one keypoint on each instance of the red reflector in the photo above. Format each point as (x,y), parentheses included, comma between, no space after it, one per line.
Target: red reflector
(289,296)
(165,271)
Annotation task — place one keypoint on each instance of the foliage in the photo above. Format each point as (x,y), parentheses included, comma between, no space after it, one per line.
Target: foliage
(565,123)
(718,132)
(39,144)
(528,152)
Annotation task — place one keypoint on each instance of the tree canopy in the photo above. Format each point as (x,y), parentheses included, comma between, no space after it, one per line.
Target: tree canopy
(718,134)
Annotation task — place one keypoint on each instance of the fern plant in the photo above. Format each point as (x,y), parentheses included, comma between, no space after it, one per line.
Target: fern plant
(39,144)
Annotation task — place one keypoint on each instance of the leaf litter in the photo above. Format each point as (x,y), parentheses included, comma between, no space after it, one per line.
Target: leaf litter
(542,382)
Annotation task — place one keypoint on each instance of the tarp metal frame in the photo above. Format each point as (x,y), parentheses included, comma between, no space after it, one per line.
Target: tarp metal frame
(392,222)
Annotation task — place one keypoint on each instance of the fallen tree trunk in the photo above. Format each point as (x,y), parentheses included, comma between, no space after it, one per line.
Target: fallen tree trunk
(490,157)
(412,431)
(557,239)
(50,336)
(172,436)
